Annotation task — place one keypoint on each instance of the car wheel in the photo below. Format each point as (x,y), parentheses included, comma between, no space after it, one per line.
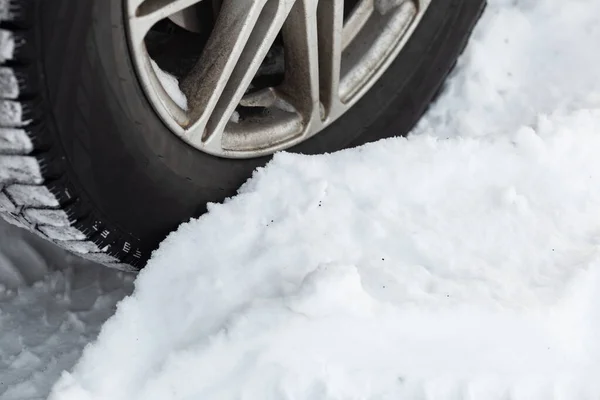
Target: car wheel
(121,119)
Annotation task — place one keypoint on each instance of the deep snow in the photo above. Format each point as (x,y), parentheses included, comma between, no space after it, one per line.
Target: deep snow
(459,263)
(471,268)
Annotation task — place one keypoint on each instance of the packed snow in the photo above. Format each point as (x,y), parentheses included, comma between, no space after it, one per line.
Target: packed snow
(45,325)
(460,263)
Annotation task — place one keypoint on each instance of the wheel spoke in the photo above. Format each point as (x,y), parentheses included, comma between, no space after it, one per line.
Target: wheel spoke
(145,13)
(357,20)
(380,38)
(240,41)
(321,60)
(330,19)
(300,38)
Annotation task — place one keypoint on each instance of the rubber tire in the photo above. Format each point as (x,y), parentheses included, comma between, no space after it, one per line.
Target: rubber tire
(112,181)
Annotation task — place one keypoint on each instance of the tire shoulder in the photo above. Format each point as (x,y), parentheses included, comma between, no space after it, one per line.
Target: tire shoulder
(34,189)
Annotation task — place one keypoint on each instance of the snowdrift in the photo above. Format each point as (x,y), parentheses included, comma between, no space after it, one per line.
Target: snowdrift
(462,262)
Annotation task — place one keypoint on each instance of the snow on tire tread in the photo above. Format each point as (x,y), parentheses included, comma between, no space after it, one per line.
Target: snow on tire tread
(26,199)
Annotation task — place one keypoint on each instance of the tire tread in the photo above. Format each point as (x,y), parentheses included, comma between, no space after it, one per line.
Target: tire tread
(33,188)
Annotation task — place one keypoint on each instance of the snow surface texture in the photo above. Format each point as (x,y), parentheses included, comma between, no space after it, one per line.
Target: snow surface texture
(461,263)
(44,328)
(23,257)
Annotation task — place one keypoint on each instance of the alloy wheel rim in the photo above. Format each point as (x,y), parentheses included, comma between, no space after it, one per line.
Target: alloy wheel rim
(331,58)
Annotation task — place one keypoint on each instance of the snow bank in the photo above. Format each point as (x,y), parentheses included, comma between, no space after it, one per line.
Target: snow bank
(526,58)
(407,266)
(416,268)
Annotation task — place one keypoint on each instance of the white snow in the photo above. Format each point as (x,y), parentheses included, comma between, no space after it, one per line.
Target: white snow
(11,113)
(62,233)
(7,45)
(235,117)
(32,196)
(461,263)
(471,266)
(21,169)
(171,86)
(15,141)
(527,58)
(9,85)
(37,216)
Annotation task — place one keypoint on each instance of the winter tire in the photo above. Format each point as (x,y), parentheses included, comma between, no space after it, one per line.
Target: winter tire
(90,160)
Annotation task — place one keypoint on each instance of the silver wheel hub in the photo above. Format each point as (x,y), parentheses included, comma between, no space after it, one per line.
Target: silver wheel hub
(331,57)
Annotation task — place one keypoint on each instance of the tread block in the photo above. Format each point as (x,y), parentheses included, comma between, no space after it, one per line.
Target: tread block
(61,233)
(9,84)
(20,169)
(32,196)
(7,45)
(7,205)
(80,247)
(11,114)
(39,216)
(15,141)
(14,12)
(101,258)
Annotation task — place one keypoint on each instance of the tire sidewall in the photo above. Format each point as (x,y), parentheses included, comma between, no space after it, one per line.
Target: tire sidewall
(144,180)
